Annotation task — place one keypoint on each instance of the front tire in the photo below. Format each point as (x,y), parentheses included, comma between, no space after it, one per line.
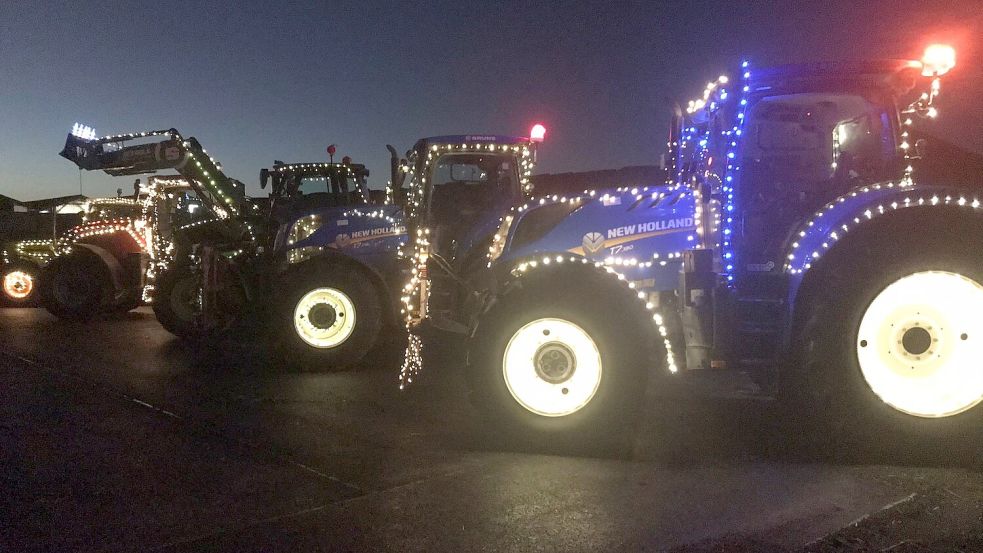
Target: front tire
(75,287)
(892,353)
(563,365)
(328,319)
(175,302)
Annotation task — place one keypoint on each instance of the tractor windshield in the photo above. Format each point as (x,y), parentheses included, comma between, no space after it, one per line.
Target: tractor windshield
(804,141)
(100,211)
(805,149)
(321,184)
(181,208)
(463,185)
(472,181)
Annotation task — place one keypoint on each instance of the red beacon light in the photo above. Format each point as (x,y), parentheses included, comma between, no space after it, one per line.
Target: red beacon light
(938,60)
(537,134)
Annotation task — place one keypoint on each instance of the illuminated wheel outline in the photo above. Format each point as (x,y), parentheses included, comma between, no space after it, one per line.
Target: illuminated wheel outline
(18,285)
(552,367)
(920,341)
(324,318)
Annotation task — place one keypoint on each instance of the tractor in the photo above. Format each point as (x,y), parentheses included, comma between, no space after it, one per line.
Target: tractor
(791,242)
(240,258)
(25,261)
(341,271)
(99,266)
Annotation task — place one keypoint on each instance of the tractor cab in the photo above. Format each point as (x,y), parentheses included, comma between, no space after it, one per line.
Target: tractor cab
(787,140)
(297,188)
(460,188)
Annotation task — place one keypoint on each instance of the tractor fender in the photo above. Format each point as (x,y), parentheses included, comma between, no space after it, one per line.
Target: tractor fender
(859,215)
(109,261)
(555,271)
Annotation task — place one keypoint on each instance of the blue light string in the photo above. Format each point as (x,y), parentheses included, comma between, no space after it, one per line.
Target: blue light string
(730,181)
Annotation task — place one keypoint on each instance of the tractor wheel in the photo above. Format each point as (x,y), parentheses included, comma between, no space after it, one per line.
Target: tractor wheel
(563,366)
(328,318)
(75,287)
(891,353)
(20,284)
(175,302)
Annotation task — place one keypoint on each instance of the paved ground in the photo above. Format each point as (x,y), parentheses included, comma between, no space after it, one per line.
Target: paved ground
(116,437)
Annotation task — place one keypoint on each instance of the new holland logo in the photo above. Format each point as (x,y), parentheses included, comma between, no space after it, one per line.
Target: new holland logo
(593,242)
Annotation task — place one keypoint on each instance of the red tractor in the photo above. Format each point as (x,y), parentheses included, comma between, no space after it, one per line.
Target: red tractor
(101,265)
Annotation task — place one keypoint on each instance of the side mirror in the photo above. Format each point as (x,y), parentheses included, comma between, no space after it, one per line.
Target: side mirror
(264,177)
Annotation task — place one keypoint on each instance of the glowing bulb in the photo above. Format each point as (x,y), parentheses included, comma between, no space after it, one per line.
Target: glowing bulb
(538,133)
(938,60)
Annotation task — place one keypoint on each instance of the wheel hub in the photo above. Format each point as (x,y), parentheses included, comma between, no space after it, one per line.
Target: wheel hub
(552,367)
(322,315)
(917,341)
(555,362)
(918,347)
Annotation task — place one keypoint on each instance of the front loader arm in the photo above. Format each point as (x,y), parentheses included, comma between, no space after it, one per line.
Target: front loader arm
(167,149)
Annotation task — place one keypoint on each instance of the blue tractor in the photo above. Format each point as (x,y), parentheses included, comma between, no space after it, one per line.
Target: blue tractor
(320,262)
(790,242)
(339,270)
(240,258)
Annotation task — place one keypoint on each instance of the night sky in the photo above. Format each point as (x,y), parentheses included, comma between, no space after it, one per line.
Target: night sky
(260,81)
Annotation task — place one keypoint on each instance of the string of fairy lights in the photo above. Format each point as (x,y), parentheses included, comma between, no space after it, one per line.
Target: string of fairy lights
(527,266)
(160,246)
(797,263)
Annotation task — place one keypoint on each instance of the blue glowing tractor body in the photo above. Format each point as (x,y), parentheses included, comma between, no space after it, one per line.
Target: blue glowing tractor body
(769,176)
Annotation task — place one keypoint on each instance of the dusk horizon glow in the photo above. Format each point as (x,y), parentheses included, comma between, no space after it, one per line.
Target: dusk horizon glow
(256,82)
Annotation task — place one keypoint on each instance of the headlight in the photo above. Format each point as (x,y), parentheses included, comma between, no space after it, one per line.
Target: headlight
(498,241)
(303,227)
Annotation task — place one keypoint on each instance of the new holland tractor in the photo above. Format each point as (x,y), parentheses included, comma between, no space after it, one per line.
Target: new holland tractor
(338,269)
(791,242)
(246,260)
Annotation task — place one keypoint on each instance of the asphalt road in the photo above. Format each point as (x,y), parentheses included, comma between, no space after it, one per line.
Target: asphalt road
(115,436)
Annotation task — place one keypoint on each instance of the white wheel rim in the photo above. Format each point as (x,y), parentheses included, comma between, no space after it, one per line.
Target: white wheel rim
(552,367)
(324,318)
(18,284)
(920,344)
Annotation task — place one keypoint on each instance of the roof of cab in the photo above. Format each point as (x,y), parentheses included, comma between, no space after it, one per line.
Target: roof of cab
(467,138)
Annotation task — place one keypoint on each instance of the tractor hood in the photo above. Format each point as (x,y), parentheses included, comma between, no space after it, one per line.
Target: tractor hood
(364,229)
(645,227)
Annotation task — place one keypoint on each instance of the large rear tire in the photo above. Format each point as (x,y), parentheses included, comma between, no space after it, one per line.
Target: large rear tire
(564,365)
(892,354)
(75,287)
(328,318)
(175,302)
